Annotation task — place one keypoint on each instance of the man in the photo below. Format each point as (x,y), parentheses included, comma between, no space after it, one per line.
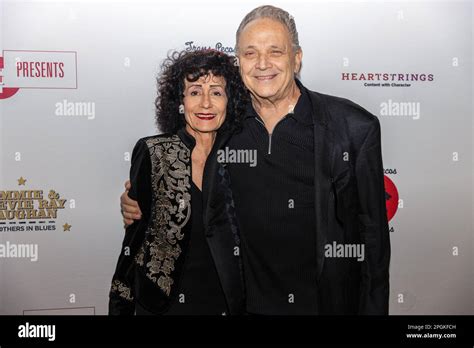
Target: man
(316,194)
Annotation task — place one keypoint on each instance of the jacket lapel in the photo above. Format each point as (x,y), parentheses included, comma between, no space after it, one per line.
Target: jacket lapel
(323,149)
(209,179)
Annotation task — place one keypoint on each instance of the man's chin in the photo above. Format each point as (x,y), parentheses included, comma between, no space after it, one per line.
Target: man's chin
(265,93)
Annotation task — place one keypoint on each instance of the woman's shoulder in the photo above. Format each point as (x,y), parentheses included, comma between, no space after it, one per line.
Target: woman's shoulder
(154,140)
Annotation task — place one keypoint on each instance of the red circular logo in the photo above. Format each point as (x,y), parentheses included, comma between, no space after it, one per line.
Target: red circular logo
(391,197)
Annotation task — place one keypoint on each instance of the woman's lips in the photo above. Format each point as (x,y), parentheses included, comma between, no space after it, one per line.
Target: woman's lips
(205,117)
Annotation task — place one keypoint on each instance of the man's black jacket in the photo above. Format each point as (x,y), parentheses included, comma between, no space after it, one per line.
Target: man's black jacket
(350,207)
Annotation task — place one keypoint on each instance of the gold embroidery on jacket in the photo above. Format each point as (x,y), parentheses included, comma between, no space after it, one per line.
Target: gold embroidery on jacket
(171,209)
(140,256)
(122,289)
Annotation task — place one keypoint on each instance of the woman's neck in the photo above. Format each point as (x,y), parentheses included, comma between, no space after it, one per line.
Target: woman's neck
(204,140)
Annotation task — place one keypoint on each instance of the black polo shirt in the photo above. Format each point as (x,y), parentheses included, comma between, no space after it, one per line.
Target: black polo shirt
(274,200)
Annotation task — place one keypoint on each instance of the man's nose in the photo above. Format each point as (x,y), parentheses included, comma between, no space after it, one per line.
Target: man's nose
(263,62)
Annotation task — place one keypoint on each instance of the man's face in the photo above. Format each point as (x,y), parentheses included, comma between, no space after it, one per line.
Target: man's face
(205,103)
(267,61)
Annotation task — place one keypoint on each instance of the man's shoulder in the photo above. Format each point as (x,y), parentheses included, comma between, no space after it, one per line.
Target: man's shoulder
(347,120)
(342,110)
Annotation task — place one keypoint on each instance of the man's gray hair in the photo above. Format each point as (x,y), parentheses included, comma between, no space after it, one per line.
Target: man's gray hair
(274,13)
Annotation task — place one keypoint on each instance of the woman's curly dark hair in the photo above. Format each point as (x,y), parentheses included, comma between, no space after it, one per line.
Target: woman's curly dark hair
(191,66)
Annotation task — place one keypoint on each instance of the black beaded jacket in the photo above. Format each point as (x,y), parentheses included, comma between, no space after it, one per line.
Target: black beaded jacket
(154,248)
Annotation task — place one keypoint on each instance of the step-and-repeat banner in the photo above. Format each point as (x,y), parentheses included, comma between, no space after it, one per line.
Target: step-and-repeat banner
(77,88)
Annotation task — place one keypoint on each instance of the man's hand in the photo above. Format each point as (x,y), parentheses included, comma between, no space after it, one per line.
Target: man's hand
(129,207)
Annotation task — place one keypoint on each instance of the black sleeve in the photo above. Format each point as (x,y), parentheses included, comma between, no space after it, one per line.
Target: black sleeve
(121,296)
(373,225)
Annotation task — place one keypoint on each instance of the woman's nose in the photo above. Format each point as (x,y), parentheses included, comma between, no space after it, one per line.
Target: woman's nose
(206,100)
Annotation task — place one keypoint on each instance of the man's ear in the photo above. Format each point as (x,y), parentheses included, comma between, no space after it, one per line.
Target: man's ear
(298,61)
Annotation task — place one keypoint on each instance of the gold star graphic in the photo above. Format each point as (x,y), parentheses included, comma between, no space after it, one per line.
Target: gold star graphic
(67,227)
(21,181)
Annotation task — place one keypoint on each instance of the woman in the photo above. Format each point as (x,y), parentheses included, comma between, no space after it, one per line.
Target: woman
(174,260)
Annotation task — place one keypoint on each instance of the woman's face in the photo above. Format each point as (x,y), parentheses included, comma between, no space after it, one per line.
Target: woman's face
(205,103)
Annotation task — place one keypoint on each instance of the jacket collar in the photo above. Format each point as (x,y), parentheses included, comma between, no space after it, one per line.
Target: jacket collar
(319,112)
(186,138)
(221,137)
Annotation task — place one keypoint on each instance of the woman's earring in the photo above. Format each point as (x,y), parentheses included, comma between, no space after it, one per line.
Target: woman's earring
(181,109)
